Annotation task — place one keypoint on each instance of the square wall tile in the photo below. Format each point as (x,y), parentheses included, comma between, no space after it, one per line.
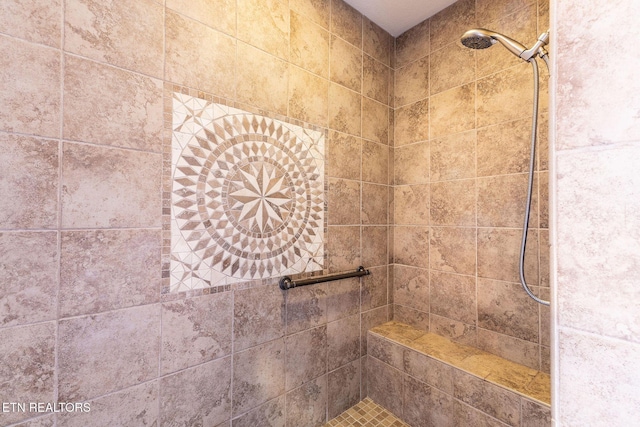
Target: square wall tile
(30,182)
(28,261)
(91,365)
(259,315)
(195,330)
(107,187)
(118,33)
(108,269)
(38,21)
(217,14)
(123,108)
(31,77)
(309,351)
(309,45)
(265,25)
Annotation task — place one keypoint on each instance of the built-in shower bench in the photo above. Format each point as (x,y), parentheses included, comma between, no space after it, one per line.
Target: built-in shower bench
(426,379)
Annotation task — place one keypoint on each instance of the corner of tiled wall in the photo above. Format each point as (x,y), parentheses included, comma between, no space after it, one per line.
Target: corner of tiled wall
(461,149)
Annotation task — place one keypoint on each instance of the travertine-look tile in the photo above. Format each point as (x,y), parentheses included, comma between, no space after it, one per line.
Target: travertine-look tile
(195,330)
(344,109)
(31,77)
(37,21)
(307,405)
(453,250)
(449,24)
(124,109)
(28,363)
(412,246)
(272,413)
(343,342)
(410,316)
(499,255)
(411,164)
(540,388)
(502,201)
(209,65)
(454,330)
(45,421)
(197,396)
(91,365)
(28,264)
(452,111)
(428,370)
(345,64)
(535,415)
(598,200)
(488,11)
(343,205)
(370,319)
(604,370)
(385,387)
(346,22)
(344,158)
(465,415)
(411,204)
(426,406)
(374,246)
(259,316)
(343,248)
(307,349)
(453,203)
(343,388)
(521,26)
(262,79)
(108,269)
(375,79)
(343,298)
(505,307)
(375,162)
(309,46)
(306,307)
(258,375)
(127,35)
(411,123)
(389,352)
(591,109)
(375,121)
(376,42)
(504,148)
(375,288)
(520,351)
(411,287)
(308,97)
(265,25)
(217,14)
(412,82)
(319,11)
(30,178)
(504,96)
(412,44)
(107,187)
(451,66)
(543,188)
(453,296)
(136,405)
(486,397)
(374,204)
(397,331)
(453,157)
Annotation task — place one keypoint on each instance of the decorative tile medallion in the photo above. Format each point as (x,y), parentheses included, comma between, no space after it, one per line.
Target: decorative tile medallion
(247,196)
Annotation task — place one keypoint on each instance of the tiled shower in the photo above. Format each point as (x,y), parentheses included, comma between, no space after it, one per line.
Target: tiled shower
(144,226)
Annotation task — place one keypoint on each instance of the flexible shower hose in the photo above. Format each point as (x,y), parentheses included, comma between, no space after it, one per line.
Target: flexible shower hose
(525,228)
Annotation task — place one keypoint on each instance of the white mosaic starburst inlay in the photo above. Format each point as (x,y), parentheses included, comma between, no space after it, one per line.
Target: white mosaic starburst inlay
(247,200)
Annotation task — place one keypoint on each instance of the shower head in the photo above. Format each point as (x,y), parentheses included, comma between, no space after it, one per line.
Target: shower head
(479,38)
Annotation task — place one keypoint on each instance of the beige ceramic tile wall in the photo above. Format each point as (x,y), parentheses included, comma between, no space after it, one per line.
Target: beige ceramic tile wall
(82,84)
(461,151)
(597,215)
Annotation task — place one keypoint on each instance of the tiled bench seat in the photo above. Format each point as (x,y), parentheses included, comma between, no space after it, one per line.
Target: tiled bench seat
(426,380)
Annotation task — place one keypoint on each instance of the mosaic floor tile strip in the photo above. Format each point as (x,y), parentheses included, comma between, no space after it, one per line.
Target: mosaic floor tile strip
(247,201)
(366,413)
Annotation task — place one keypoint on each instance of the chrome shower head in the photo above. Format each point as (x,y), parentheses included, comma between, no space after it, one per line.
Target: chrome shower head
(480,38)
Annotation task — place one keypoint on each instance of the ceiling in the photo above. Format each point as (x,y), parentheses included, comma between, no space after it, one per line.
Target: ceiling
(397,16)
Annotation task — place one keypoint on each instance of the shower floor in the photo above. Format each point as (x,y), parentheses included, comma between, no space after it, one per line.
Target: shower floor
(366,413)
